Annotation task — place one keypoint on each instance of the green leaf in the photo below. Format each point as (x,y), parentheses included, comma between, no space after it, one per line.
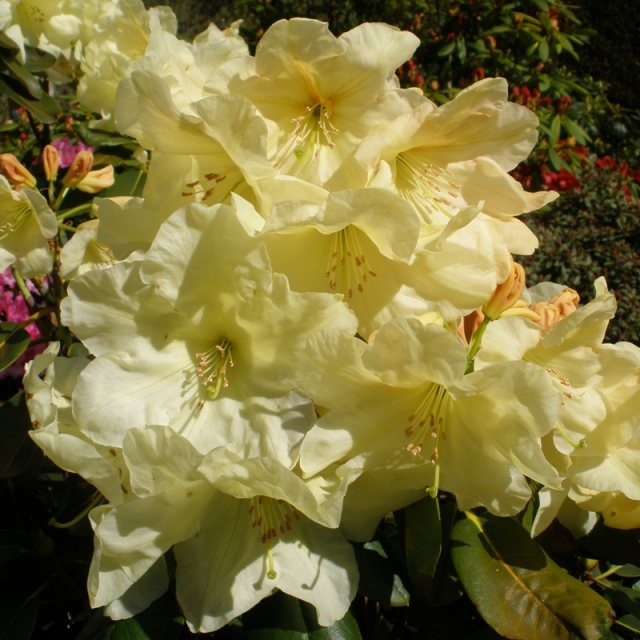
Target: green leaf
(160,621)
(447,49)
(556,125)
(630,622)
(423,546)
(97,138)
(38,60)
(46,109)
(378,579)
(17,451)
(543,5)
(24,76)
(624,598)
(282,617)
(127,183)
(461,46)
(554,159)
(575,130)
(518,589)
(543,50)
(14,341)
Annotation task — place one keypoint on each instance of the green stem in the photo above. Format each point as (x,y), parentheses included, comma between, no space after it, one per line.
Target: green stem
(634,630)
(67,525)
(67,227)
(61,196)
(22,285)
(476,342)
(82,208)
(135,184)
(614,569)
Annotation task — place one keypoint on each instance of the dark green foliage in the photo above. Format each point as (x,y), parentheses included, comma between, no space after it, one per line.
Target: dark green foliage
(591,231)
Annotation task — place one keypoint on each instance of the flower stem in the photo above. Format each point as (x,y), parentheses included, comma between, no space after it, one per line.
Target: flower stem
(476,342)
(67,525)
(22,285)
(82,208)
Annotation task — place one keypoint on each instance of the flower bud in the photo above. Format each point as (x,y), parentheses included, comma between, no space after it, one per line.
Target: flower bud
(50,162)
(79,168)
(15,172)
(559,307)
(506,294)
(97,180)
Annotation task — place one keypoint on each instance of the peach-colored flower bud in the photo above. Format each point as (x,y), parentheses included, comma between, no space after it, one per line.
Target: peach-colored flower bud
(507,293)
(469,325)
(97,180)
(559,307)
(50,162)
(15,172)
(79,168)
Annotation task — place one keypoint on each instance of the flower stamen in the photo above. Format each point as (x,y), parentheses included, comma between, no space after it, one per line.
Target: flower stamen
(13,218)
(212,367)
(347,268)
(315,126)
(430,189)
(428,421)
(273,518)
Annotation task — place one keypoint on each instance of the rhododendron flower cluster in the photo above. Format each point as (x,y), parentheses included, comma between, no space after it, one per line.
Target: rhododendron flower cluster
(311,318)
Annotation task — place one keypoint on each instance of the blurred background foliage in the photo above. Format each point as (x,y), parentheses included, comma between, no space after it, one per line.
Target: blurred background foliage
(569,62)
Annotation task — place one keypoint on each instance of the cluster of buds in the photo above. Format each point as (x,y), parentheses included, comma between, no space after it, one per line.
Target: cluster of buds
(79,175)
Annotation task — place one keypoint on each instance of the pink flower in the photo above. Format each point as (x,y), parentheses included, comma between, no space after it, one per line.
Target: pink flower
(13,308)
(68,151)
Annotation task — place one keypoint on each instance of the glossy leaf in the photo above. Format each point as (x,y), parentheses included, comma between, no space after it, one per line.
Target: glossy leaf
(282,617)
(14,341)
(379,580)
(46,109)
(423,545)
(24,76)
(518,589)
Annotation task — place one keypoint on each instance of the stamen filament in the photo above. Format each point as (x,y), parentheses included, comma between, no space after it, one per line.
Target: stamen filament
(429,188)
(347,267)
(212,367)
(273,518)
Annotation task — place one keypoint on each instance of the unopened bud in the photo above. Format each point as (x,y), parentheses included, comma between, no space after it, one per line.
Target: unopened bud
(470,324)
(97,180)
(50,162)
(559,307)
(15,172)
(79,168)
(506,294)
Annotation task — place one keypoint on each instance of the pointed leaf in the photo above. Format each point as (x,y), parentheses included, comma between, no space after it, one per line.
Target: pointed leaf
(518,589)
(14,341)
(423,546)
(378,579)
(46,109)
(24,76)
